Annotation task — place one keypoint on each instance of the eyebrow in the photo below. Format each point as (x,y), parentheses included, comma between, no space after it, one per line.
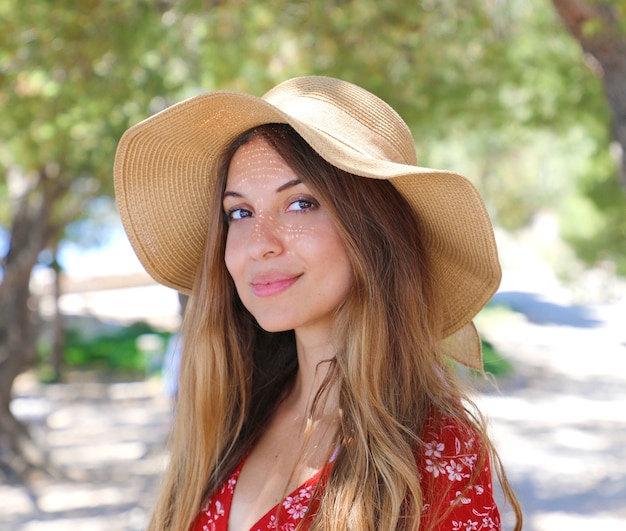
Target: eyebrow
(281,188)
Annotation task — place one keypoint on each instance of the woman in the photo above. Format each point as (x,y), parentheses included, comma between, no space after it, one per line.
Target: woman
(331,280)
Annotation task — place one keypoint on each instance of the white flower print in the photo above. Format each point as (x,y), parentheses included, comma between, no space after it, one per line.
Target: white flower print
(457,446)
(297,510)
(305,493)
(434,464)
(462,499)
(454,471)
(488,523)
(469,444)
(469,460)
(434,449)
(270,525)
(297,505)
(451,456)
(219,509)
(436,467)
(213,514)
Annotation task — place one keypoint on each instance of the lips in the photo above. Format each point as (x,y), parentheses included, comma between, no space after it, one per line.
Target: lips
(266,286)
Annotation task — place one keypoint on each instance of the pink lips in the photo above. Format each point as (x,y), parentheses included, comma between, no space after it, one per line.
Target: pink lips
(268,287)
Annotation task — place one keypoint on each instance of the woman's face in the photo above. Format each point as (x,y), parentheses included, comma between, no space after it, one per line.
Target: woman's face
(283,252)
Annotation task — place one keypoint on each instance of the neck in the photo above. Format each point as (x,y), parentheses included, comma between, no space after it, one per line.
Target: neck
(315,355)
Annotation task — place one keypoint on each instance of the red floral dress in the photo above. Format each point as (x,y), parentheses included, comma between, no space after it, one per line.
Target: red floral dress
(453,501)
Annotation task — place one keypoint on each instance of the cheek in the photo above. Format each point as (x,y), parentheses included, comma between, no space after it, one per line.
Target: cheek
(232,259)
(345,277)
(334,252)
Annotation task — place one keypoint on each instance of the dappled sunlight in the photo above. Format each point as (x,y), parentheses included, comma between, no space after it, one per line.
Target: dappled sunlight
(107,442)
(56,499)
(558,421)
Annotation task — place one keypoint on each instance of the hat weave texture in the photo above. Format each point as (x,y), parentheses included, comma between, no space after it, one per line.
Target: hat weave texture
(165,174)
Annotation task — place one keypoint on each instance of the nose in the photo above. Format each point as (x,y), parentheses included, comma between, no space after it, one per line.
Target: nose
(266,238)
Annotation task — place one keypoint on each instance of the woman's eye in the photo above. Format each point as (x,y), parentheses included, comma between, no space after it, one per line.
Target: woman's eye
(238,213)
(301,204)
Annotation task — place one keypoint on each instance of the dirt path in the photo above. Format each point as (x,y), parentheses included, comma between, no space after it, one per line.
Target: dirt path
(560,422)
(108,440)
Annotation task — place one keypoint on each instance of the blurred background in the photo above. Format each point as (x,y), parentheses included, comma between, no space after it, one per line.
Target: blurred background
(527,98)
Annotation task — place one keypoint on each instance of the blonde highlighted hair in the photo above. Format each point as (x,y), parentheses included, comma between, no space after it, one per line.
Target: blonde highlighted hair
(388,369)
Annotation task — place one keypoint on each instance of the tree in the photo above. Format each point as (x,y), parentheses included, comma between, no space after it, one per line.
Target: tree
(599,28)
(73,78)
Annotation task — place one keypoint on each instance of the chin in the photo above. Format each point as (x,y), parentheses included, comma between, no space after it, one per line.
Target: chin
(271,326)
(276,319)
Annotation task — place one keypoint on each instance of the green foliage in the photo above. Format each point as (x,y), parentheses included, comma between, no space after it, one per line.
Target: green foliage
(493,81)
(73,77)
(500,94)
(493,362)
(439,63)
(114,350)
(594,223)
(592,214)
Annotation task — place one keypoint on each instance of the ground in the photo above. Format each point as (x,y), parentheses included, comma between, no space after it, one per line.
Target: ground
(106,439)
(559,421)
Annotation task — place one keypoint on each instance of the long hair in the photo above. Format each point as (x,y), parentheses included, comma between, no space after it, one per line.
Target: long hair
(388,368)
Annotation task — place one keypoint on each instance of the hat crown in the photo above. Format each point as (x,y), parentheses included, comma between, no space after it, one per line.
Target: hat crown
(356,118)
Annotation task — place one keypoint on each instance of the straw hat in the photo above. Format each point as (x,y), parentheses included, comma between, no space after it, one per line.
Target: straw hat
(165,173)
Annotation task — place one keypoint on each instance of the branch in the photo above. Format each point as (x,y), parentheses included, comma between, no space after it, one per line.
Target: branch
(595,26)
(575,13)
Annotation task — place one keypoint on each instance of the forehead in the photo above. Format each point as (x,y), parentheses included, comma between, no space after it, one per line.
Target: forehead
(257,160)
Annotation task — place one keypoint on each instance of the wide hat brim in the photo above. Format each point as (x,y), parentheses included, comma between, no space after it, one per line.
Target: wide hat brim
(165,175)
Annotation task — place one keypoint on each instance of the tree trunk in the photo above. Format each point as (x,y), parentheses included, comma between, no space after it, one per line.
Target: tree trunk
(597,28)
(58,326)
(31,230)
(18,455)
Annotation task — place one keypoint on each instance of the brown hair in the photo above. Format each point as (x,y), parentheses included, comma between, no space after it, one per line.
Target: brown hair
(388,368)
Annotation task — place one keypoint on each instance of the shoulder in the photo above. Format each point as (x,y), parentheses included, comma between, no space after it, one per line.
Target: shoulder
(452,437)
(456,476)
